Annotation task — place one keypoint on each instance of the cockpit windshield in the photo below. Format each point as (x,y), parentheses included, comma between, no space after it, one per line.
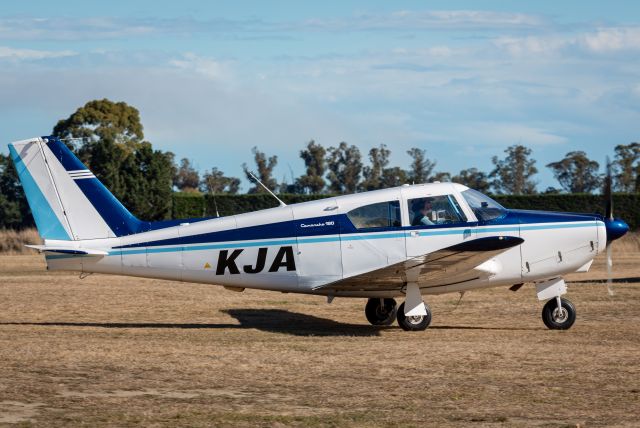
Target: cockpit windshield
(483,206)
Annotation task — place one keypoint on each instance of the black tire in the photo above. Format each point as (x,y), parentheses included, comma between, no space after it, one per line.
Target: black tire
(413,323)
(378,314)
(556,320)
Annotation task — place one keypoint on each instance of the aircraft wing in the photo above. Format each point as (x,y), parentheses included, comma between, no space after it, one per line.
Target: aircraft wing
(447,266)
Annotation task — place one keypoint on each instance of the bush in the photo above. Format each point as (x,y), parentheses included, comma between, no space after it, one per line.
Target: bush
(192,205)
(626,206)
(195,205)
(14,241)
(188,205)
(238,204)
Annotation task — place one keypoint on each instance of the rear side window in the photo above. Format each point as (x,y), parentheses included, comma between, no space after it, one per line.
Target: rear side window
(382,214)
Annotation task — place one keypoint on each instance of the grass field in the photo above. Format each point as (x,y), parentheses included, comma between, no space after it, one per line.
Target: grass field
(115,351)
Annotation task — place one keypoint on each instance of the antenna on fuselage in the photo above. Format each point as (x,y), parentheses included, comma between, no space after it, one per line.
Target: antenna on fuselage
(282,204)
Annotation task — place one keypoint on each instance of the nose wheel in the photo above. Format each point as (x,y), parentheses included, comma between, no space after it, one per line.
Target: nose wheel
(558,314)
(380,311)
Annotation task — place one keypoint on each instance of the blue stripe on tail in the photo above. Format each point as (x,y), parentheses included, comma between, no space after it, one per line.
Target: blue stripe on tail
(119,219)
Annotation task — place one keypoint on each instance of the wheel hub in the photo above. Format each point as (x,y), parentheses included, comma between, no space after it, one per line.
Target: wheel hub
(416,319)
(382,312)
(560,315)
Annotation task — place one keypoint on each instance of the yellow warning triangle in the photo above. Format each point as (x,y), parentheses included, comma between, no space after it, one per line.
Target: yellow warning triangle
(207,266)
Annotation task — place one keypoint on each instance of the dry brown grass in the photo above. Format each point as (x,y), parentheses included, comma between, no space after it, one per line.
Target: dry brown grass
(629,243)
(13,242)
(115,351)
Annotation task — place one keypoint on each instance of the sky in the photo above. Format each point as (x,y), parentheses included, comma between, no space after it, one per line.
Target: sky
(461,79)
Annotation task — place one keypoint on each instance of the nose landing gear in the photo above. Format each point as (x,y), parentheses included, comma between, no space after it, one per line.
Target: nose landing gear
(558,314)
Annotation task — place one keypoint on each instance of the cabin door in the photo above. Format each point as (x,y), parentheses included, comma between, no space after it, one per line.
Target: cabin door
(319,259)
(435,222)
(371,235)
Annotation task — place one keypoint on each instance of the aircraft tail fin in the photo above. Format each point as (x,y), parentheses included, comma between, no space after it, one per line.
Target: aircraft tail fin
(67,201)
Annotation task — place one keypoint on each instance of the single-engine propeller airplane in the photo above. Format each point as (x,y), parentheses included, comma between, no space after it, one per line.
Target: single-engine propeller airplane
(408,241)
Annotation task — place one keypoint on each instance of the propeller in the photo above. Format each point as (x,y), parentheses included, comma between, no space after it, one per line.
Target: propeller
(610,271)
(608,195)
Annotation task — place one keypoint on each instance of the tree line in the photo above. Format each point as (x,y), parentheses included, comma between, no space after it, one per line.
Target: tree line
(340,170)
(108,137)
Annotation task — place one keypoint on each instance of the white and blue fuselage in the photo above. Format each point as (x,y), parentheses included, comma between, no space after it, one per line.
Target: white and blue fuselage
(301,247)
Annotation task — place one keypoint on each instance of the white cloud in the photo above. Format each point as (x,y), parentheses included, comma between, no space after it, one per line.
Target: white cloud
(407,20)
(32,54)
(207,67)
(472,17)
(505,134)
(599,41)
(101,28)
(612,39)
(519,46)
(88,28)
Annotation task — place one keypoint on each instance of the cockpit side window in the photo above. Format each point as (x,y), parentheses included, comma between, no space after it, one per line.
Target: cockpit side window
(483,206)
(432,210)
(381,214)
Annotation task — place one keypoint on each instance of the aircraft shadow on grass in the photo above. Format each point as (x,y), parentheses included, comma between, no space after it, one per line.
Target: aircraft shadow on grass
(270,320)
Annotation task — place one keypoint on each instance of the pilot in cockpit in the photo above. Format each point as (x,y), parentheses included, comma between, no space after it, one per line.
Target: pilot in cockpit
(422,212)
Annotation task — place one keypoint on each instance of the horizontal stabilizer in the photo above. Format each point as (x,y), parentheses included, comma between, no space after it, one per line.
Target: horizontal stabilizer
(68,250)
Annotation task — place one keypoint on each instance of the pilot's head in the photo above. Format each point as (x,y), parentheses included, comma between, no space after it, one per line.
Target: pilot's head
(422,206)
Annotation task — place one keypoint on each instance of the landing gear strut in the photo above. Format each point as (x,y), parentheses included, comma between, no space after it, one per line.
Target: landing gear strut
(380,311)
(558,314)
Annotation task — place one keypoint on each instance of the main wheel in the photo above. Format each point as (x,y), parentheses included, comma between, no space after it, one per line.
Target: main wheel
(380,311)
(558,318)
(417,323)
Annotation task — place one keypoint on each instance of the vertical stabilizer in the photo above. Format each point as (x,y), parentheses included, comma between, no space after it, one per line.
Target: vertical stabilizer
(67,201)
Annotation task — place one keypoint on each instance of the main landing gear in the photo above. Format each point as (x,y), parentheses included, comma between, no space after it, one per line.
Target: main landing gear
(385,311)
(414,322)
(412,315)
(380,311)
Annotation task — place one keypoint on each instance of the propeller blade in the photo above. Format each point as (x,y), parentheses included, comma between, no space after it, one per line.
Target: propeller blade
(608,192)
(608,196)
(610,270)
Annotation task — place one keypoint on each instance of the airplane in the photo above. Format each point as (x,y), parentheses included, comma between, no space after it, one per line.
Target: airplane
(403,242)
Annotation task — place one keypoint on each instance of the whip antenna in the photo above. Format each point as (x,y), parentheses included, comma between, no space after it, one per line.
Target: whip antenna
(282,204)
